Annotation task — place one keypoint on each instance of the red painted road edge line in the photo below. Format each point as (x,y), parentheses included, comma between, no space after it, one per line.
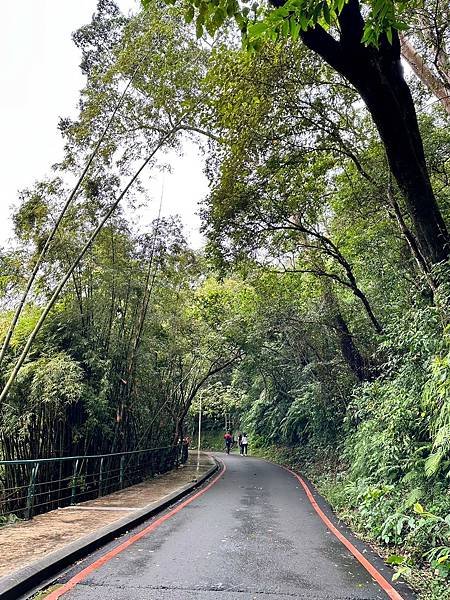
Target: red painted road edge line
(128,542)
(382,582)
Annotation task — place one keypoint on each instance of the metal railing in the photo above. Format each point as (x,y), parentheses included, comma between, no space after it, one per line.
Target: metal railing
(30,487)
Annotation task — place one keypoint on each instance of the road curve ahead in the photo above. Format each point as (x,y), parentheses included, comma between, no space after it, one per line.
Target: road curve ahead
(254,535)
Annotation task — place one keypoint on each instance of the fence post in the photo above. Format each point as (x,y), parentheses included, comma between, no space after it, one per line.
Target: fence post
(100,478)
(122,471)
(30,496)
(74,483)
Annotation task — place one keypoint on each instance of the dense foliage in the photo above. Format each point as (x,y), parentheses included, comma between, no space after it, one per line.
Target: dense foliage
(317,314)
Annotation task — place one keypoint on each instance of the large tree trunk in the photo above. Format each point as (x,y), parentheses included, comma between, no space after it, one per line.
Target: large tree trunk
(377,75)
(388,98)
(350,352)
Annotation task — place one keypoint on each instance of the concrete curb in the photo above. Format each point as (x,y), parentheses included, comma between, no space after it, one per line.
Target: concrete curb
(24,580)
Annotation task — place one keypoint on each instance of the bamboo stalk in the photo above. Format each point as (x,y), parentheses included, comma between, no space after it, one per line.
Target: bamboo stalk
(80,256)
(52,234)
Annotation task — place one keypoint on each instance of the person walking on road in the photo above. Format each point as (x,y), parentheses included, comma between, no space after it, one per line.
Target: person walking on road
(228,441)
(244,444)
(240,443)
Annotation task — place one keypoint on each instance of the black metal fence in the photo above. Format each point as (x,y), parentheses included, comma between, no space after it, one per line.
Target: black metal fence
(30,487)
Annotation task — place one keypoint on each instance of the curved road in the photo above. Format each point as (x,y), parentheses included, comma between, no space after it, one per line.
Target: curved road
(253,535)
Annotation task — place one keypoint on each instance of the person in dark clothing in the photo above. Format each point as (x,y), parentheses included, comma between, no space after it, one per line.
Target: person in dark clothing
(228,441)
(240,443)
(185,448)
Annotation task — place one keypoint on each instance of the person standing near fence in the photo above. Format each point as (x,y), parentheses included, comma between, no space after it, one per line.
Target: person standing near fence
(244,444)
(185,448)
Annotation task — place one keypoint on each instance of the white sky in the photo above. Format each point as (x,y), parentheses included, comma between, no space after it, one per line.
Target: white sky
(40,83)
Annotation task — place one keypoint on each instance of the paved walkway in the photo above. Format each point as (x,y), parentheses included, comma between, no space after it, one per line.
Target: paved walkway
(252,535)
(27,541)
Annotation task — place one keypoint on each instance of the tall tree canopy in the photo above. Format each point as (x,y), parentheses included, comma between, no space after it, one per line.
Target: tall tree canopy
(360,41)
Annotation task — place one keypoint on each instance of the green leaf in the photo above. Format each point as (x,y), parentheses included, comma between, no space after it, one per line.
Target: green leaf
(418,508)
(231,8)
(395,559)
(257,29)
(211,27)
(295,28)
(400,25)
(389,34)
(189,14)
(317,11)
(304,21)
(432,464)
(199,29)
(326,13)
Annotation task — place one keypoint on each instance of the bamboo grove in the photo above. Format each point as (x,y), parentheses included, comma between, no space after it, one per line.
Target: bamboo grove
(317,312)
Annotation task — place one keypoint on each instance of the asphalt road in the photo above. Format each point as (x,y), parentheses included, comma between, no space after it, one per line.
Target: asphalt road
(253,535)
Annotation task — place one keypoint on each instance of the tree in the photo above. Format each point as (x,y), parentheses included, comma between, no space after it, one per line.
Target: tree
(366,51)
(273,184)
(121,75)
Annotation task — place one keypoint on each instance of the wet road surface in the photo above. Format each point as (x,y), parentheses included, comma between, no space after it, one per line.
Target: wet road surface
(253,536)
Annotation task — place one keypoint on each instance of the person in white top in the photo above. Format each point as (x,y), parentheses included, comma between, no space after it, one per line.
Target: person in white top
(244,444)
